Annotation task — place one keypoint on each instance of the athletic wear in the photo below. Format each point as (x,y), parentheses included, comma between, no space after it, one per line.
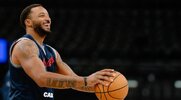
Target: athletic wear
(22,87)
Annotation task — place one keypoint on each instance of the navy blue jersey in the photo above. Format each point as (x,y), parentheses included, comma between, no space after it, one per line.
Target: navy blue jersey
(22,87)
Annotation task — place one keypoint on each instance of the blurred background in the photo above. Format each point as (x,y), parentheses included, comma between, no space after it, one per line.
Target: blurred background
(139,38)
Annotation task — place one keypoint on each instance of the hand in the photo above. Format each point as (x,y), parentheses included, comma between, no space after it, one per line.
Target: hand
(100,77)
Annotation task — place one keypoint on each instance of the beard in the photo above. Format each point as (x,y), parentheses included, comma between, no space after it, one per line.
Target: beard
(41,32)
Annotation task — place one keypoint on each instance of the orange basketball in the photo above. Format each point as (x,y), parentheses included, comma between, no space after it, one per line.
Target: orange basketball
(116,90)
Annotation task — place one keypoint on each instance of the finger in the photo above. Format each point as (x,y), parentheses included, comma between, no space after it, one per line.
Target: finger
(103,83)
(108,70)
(105,78)
(109,74)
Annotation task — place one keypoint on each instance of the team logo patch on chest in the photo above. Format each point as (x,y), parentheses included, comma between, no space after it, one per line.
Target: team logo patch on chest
(49,62)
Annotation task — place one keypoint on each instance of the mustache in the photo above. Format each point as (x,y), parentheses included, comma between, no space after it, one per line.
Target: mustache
(41,31)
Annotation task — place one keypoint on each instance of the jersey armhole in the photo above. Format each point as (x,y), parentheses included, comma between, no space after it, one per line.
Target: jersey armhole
(55,52)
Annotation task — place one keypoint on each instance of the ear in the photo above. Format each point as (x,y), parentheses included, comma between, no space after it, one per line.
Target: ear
(28,22)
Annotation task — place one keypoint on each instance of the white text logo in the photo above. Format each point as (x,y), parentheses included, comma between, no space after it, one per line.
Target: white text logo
(48,95)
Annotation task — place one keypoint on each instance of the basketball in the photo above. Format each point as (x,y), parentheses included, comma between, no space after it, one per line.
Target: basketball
(116,90)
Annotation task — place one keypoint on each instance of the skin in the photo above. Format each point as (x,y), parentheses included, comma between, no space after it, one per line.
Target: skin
(25,53)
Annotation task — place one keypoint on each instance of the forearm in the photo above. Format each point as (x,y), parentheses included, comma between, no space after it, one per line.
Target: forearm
(54,80)
(58,81)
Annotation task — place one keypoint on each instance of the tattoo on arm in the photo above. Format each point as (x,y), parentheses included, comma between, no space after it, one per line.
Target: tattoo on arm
(28,49)
(61,83)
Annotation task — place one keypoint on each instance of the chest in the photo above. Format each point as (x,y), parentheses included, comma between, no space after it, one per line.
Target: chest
(48,58)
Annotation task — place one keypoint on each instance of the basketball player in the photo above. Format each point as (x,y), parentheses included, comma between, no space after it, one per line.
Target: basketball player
(36,68)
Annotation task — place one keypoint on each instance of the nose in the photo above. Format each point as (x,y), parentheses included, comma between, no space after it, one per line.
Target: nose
(48,19)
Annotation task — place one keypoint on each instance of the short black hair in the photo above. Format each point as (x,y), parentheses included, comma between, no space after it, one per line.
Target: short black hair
(25,13)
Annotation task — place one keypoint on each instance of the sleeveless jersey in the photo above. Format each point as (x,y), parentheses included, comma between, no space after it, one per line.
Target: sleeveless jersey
(22,87)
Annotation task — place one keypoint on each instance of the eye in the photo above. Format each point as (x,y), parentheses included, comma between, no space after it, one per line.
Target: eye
(41,15)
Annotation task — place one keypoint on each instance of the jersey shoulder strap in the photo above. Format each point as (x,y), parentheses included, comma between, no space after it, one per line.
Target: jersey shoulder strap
(54,51)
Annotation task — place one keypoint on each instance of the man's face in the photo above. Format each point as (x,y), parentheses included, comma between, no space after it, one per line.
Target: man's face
(40,20)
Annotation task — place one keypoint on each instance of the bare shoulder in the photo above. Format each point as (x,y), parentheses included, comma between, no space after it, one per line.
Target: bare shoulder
(26,48)
(58,57)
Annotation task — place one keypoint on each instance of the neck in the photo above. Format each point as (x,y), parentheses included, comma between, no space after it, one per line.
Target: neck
(38,39)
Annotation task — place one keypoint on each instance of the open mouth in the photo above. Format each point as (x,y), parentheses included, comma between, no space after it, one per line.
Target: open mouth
(47,25)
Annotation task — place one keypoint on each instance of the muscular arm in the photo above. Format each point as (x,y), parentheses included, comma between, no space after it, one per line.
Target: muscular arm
(26,53)
(64,69)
